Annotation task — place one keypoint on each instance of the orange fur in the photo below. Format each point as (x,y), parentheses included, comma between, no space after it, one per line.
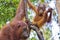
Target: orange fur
(41,14)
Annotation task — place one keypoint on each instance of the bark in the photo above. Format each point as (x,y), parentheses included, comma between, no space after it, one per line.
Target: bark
(58,9)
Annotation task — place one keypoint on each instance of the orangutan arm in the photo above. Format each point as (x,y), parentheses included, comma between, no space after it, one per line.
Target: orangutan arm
(32,6)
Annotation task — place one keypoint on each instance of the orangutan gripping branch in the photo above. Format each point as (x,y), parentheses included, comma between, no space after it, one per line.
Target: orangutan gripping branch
(41,16)
(17,29)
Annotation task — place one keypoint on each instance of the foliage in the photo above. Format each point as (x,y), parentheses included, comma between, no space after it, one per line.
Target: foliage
(42,1)
(7,10)
(47,34)
(33,38)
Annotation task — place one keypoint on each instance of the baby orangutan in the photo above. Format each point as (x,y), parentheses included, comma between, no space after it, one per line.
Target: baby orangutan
(41,16)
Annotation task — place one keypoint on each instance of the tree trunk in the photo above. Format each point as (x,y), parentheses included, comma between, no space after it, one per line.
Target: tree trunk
(58,9)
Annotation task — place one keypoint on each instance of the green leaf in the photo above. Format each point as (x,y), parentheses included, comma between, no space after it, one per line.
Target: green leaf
(42,1)
(33,38)
(33,0)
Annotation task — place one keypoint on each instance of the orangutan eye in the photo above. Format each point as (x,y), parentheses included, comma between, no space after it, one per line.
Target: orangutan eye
(19,26)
